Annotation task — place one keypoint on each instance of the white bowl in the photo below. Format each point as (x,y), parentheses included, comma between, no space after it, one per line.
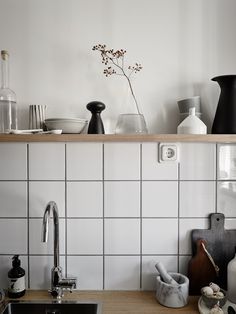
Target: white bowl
(66,125)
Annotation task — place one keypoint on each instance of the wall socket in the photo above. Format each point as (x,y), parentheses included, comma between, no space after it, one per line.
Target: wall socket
(167,152)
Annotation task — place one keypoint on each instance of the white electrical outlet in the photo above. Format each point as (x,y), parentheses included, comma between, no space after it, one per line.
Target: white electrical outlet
(168,152)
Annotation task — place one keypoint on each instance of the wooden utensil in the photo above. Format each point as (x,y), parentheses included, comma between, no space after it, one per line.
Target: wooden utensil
(220,244)
(201,269)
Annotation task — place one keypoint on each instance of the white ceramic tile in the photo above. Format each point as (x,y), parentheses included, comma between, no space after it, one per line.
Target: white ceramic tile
(13,161)
(197,161)
(40,193)
(122,161)
(122,236)
(40,271)
(36,246)
(84,199)
(84,161)
(152,169)
(84,236)
(183,264)
(230,223)
(47,161)
(149,272)
(185,228)
(226,198)
(13,196)
(160,199)
(13,235)
(6,265)
(122,272)
(226,162)
(160,236)
(122,199)
(197,198)
(88,270)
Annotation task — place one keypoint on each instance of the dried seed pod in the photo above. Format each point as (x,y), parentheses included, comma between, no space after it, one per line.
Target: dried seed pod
(207,291)
(219,294)
(214,287)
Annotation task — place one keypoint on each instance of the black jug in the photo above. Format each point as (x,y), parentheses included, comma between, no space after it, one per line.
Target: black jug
(225,117)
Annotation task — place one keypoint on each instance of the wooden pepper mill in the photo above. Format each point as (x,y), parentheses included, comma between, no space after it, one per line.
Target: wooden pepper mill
(96,124)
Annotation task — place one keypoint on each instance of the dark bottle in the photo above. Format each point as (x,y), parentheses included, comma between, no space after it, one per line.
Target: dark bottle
(16,276)
(96,124)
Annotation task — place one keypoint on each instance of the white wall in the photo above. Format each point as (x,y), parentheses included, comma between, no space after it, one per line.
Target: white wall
(181,44)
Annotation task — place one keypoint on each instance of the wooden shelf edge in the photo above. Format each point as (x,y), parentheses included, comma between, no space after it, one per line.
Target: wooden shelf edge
(208,138)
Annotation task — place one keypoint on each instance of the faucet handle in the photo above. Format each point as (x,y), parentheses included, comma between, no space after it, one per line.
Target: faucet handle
(68,283)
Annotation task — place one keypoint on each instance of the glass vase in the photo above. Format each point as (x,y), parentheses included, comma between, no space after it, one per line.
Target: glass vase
(131,123)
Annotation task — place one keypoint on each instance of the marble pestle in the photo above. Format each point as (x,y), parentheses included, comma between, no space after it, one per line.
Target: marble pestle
(166,277)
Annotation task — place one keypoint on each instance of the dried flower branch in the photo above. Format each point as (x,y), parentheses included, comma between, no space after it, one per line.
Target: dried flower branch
(114,60)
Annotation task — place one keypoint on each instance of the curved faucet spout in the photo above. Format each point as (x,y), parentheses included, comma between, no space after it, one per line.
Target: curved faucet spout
(52,206)
(57,282)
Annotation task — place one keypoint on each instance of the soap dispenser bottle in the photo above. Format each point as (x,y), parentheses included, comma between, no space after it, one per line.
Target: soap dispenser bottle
(231,282)
(16,276)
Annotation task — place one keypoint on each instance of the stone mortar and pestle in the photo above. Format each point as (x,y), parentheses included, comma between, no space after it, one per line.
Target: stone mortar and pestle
(172,288)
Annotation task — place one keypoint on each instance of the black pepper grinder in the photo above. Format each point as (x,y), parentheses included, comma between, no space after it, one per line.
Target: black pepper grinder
(96,124)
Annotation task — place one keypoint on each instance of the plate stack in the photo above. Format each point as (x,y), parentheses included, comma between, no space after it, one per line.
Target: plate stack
(67,125)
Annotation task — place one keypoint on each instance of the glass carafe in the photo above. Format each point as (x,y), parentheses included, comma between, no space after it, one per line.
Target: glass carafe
(8,109)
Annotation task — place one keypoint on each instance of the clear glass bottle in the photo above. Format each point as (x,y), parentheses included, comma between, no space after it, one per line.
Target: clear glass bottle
(8,108)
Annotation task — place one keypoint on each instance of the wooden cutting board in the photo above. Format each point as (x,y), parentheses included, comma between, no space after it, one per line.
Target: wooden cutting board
(220,243)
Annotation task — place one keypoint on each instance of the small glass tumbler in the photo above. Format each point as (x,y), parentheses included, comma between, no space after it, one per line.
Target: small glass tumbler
(131,123)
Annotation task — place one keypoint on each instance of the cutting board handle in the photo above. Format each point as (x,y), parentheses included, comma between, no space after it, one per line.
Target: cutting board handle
(217,221)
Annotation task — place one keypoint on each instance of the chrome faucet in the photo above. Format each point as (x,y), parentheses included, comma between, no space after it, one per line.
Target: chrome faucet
(58,284)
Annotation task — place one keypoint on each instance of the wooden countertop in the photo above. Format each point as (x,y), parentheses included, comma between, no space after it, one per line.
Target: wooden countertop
(208,138)
(119,302)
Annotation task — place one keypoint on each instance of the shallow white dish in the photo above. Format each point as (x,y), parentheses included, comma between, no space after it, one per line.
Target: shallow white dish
(203,309)
(68,126)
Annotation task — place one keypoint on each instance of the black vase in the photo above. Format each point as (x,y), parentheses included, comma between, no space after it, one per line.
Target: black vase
(225,117)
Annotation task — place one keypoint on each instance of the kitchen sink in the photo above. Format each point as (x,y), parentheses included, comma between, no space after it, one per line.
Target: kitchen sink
(52,307)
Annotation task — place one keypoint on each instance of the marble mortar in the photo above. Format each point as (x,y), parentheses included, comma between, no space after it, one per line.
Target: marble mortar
(173,295)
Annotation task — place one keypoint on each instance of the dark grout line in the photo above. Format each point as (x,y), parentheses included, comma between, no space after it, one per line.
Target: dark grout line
(66,227)
(103,220)
(178,204)
(141,222)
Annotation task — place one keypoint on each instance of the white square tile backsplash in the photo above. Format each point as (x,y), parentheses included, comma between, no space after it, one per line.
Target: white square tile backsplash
(121,161)
(122,236)
(84,236)
(122,199)
(41,192)
(13,204)
(122,272)
(197,198)
(160,236)
(120,209)
(47,161)
(197,161)
(155,202)
(84,199)
(84,161)
(13,161)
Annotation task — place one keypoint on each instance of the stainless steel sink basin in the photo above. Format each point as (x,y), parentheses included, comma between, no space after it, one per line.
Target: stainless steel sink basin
(52,307)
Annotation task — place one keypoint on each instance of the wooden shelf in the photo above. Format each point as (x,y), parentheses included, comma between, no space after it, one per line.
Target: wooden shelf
(209,138)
